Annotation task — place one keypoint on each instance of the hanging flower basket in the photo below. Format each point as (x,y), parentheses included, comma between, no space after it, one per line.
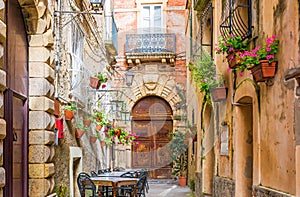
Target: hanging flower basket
(264,71)
(218,94)
(98,127)
(69,114)
(93,139)
(102,143)
(79,133)
(87,123)
(95,82)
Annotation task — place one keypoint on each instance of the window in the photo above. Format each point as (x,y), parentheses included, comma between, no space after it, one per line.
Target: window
(152,18)
(76,53)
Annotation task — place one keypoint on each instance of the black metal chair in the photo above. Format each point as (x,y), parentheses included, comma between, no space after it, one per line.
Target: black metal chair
(94,174)
(86,185)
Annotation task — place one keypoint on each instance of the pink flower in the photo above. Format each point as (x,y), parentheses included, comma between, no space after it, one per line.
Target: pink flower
(270,57)
(228,69)
(255,49)
(268,49)
(230,49)
(274,36)
(241,73)
(103,86)
(269,41)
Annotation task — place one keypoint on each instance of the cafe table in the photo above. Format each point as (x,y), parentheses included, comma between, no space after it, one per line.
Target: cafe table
(113,182)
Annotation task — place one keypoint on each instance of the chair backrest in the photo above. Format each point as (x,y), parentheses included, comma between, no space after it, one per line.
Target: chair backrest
(94,174)
(141,184)
(86,184)
(119,169)
(131,174)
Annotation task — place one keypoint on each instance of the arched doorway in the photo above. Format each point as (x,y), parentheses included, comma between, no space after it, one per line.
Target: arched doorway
(243,147)
(152,121)
(16,103)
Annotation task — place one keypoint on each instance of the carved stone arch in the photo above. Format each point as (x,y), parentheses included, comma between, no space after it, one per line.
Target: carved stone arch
(164,91)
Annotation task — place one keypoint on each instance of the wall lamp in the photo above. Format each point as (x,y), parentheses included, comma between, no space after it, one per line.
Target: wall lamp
(129,77)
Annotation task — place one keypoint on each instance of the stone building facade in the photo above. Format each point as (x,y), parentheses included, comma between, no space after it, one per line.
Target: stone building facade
(47,57)
(152,46)
(247,145)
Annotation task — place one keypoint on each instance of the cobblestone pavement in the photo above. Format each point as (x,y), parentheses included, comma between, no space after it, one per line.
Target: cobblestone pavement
(167,188)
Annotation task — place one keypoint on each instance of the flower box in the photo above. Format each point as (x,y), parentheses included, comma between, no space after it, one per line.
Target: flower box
(264,71)
(219,94)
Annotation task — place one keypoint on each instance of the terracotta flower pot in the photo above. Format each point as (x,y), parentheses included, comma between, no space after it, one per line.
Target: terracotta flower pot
(69,114)
(232,62)
(93,139)
(218,94)
(79,133)
(98,127)
(182,181)
(87,123)
(264,71)
(95,82)
(102,143)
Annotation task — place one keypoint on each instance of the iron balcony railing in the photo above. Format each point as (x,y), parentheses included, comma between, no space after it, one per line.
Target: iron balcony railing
(151,43)
(111,35)
(236,19)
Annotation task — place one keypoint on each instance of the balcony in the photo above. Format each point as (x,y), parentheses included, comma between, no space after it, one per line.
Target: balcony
(155,46)
(236,19)
(111,38)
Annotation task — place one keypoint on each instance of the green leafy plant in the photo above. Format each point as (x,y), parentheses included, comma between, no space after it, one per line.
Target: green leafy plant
(81,126)
(206,76)
(178,153)
(61,190)
(97,115)
(71,106)
(230,44)
(101,76)
(121,135)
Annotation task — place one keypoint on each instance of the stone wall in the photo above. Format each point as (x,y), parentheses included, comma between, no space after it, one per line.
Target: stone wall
(41,91)
(259,191)
(223,187)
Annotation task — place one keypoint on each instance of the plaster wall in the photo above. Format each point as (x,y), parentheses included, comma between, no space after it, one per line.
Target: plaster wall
(274,155)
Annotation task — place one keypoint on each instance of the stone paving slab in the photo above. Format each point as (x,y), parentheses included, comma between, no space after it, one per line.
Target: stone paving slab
(167,188)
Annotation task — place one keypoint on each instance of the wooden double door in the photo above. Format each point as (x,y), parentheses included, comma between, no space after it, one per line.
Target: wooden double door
(152,121)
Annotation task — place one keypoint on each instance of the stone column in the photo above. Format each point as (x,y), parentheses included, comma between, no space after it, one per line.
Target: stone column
(41,104)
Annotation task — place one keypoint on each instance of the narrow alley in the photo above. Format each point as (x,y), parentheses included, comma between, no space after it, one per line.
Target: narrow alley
(99,96)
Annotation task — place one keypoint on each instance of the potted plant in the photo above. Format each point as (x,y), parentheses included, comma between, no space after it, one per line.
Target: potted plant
(261,61)
(98,79)
(208,80)
(231,45)
(120,136)
(87,121)
(80,130)
(70,109)
(97,115)
(178,153)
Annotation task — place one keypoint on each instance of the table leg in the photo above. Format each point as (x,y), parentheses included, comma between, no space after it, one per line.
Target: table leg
(83,190)
(114,189)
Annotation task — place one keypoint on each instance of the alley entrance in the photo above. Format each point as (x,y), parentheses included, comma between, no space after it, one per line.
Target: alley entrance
(152,121)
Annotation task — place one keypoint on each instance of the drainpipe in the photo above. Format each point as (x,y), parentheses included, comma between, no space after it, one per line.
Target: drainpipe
(58,25)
